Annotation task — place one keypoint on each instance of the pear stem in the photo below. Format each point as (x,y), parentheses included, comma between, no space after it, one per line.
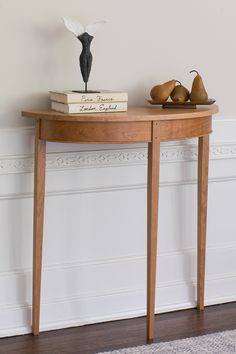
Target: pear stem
(178,82)
(194,71)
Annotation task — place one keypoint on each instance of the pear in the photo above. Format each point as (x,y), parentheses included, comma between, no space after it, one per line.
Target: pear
(180,93)
(198,92)
(160,93)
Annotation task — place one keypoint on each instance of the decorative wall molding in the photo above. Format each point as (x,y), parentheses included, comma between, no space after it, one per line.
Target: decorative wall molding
(14,164)
(111,158)
(114,188)
(123,259)
(223,151)
(92,295)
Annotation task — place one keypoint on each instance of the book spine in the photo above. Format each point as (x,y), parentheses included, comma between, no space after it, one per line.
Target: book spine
(90,98)
(90,107)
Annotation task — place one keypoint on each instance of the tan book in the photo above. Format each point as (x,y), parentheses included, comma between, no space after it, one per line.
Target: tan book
(89,107)
(77,97)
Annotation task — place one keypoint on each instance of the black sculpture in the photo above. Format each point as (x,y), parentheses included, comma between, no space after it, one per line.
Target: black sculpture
(86,57)
(85,36)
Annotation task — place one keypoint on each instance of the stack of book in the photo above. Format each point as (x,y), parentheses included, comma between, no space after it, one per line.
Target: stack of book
(77,102)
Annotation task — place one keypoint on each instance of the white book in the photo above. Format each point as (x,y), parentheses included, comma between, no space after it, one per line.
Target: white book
(89,107)
(77,97)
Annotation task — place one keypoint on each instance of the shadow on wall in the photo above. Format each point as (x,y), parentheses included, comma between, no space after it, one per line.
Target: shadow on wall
(22,284)
(187,227)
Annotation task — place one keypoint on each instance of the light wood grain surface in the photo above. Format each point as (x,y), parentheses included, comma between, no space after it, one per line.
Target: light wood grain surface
(203,162)
(133,114)
(96,132)
(39,192)
(152,224)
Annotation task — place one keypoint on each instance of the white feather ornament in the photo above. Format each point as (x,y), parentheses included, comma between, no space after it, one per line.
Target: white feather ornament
(77,28)
(74,26)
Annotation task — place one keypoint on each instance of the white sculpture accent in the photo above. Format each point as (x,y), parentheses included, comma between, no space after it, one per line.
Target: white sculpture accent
(77,28)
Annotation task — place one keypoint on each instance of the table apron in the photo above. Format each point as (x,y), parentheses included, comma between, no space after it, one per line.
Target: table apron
(123,132)
(185,128)
(99,132)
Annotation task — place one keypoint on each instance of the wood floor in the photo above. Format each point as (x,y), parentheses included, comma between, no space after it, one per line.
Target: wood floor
(126,333)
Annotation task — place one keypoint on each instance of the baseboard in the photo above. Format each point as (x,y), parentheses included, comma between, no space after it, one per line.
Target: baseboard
(22,330)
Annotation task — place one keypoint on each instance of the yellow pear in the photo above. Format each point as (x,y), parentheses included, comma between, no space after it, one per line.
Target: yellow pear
(160,93)
(198,92)
(180,93)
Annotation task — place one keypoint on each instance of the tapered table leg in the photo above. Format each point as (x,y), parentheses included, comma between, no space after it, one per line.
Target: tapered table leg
(152,224)
(203,162)
(39,192)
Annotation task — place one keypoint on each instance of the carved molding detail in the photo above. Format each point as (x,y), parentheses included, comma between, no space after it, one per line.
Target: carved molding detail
(106,158)
(14,164)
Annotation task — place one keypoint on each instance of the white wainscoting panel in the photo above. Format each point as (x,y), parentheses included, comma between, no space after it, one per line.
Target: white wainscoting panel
(94,264)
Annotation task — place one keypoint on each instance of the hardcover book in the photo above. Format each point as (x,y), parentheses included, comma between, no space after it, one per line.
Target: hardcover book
(89,107)
(76,97)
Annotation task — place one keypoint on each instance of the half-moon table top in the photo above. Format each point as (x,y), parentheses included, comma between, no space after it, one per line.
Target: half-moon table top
(134,114)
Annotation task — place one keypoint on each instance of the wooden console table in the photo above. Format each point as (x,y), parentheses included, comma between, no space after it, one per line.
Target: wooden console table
(138,125)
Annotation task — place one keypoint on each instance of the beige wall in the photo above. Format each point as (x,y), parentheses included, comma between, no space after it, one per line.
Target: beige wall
(144,43)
